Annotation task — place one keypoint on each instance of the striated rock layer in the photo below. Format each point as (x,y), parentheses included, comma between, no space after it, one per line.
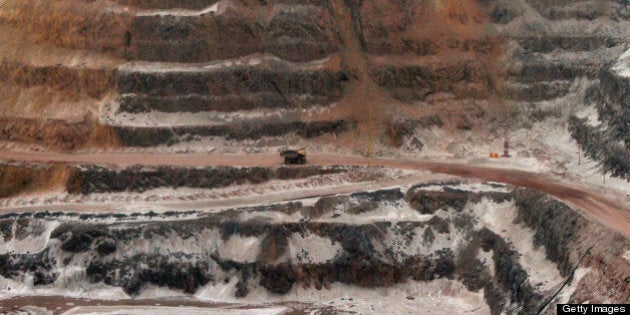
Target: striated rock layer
(516,246)
(366,62)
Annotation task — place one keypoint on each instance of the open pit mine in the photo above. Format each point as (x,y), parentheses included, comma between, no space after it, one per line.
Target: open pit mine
(313,156)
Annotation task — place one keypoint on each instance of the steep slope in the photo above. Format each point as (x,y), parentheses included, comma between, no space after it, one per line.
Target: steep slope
(356,73)
(452,78)
(58,64)
(512,247)
(607,139)
(283,64)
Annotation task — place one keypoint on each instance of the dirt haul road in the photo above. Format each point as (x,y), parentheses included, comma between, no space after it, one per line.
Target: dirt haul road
(598,207)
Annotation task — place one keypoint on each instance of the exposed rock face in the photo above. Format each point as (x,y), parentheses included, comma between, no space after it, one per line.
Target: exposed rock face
(238,43)
(232,58)
(247,245)
(291,31)
(93,82)
(608,142)
(16,179)
(54,133)
(567,236)
(57,63)
(139,179)
(146,136)
(526,53)
(237,57)
(269,79)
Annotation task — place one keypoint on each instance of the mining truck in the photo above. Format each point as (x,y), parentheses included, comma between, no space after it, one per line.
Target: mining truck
(294,156)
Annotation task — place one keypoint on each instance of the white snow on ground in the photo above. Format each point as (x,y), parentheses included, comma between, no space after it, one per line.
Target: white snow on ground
(111,116)
(191,194)
(34,239)
(562,151)
(546,148)
(590,113)
(170,243)
(499,218)
(439,297)
(150,291)
(319,249)
(83,289)
(240,249)
(182,12)
(256,59)
(418,246)
(486,257)
(388,212)
(436,296)
(33,310)
(163,310)
(471,187)
(567,292)
(219,291)
(167,199)
(623,65)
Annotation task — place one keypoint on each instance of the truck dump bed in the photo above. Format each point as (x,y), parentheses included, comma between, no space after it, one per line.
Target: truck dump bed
(294,156)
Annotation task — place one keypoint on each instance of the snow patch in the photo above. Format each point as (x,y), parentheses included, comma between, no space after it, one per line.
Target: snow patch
(313,249)
(623,65)
(469,187)
(240,249)
(33,310)
(165,310)
(591,115)
(182,12)
(398,211)
(440,296)
(153,292)
(486,257)
(218,291)
(81,289)
(251,60)
(565,295)
(499,217)
(169,244)
(34,241)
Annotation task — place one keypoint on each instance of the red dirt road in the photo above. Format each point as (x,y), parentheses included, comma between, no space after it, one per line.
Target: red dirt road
(603,209)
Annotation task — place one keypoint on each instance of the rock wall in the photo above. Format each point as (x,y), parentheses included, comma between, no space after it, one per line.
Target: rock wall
(146,137)
(246,56)
(295,32)
(57,62)
(18,179)
(609,142)
(442,232)
(139,179)
(567,236)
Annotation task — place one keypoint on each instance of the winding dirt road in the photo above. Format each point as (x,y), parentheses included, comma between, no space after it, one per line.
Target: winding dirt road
(603,209)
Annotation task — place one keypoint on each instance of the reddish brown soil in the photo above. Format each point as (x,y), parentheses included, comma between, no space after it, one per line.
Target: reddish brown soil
(58,134)
(58,61)
(16,180)
(446,25)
